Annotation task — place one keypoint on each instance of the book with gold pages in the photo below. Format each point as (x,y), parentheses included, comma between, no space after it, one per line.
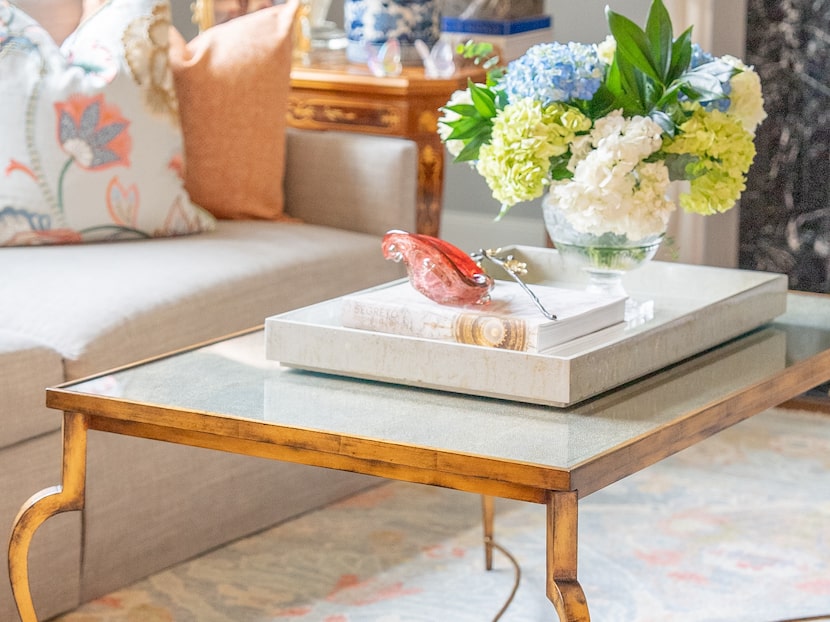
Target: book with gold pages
(510,321)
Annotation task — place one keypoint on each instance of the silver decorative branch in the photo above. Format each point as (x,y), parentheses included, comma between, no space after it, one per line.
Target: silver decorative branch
(516,269)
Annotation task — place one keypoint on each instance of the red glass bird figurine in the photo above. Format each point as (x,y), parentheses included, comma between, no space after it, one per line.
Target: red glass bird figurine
(437,269)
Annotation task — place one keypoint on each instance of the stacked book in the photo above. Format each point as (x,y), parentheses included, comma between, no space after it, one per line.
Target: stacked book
(511,321)
(512,37)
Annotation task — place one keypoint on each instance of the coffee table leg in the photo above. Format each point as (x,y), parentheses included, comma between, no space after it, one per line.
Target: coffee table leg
(54,500)
(487,522)
(563,589)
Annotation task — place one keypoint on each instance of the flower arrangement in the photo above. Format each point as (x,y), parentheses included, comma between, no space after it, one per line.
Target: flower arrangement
(604,129)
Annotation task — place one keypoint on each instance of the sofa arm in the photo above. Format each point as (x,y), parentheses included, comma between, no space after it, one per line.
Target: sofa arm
(351,181)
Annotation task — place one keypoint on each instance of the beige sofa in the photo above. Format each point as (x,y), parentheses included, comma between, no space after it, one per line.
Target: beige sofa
(71,311)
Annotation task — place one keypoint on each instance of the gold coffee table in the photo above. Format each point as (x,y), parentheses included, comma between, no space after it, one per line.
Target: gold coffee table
(226,396)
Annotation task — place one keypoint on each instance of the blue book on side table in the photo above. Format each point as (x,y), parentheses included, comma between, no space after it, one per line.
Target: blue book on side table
(495,26)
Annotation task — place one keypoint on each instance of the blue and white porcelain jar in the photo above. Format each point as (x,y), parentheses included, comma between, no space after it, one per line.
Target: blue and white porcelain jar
(371,23)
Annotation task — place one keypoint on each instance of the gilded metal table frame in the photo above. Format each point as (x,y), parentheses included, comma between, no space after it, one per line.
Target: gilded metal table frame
(808,365)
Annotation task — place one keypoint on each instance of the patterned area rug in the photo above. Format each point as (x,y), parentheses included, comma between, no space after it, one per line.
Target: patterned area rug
(734,529)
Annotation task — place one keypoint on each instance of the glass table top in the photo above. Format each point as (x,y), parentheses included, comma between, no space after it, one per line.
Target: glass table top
(233,379)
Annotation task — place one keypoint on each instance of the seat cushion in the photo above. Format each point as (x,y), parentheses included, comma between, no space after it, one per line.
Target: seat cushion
(105,305)
(27,367)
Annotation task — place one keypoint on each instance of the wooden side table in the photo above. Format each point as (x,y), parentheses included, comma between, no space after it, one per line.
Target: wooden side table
(331,93)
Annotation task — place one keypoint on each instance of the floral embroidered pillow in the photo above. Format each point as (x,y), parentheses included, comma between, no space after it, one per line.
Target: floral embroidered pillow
(90,142)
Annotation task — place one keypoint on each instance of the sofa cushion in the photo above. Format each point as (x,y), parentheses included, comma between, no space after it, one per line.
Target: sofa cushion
(232,82)
(27,367)
(105,305)
(368,183)
(90,145)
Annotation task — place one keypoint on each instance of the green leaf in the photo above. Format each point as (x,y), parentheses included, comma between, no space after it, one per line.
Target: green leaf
(633,95)
(465,110)
(477,51)
(470,151)
(628,78)
(558,174)
(651,93)
(559,167)
(632,44)
(669,97)
(495,74)
(681,55)
(484,100)
(489,64)
(663,120)
(467,154)
(619,91)
(660,35)
(464,129)
(679,165)
(613,79)
(603,102)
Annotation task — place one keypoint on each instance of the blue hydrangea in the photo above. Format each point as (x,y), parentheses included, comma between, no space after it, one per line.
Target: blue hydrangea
(554,72)
(701,57)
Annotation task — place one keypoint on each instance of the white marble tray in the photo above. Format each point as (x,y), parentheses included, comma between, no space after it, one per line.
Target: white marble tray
(695,308)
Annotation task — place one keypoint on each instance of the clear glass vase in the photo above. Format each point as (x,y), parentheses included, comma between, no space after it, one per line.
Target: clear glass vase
(604,258)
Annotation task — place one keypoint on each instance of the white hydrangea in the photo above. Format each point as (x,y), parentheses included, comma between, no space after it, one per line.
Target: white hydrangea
(581,146)
(613,189)
(746,97)
(607,49)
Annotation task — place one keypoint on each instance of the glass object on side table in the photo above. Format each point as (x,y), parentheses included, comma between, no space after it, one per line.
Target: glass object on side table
(325,34)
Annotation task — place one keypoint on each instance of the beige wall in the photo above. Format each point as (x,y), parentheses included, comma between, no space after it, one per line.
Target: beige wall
(182,18)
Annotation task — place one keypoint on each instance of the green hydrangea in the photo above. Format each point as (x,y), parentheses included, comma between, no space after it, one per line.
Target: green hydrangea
(722,150)
(517,161)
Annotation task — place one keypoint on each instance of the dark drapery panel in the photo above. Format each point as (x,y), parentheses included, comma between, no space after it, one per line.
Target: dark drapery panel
(785,211)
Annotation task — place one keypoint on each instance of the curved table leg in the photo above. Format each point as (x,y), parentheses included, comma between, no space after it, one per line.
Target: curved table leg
(41,506)
(563,589)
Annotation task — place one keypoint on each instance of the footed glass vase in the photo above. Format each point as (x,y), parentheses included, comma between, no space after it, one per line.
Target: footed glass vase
(604,258)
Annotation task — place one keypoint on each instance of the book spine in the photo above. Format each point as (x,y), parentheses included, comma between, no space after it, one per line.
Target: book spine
(445,325)
(494,27)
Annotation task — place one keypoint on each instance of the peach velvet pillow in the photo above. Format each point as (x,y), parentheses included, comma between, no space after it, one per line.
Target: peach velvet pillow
(232,82)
